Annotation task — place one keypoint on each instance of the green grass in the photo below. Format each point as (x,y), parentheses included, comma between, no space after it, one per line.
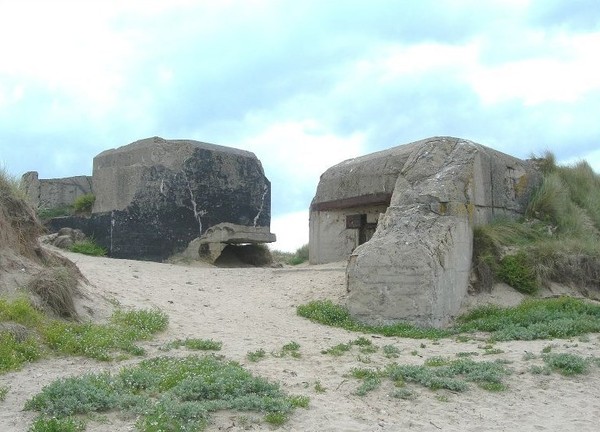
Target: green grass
(84,203)
(194,344)
(257,355)
(562,317)
(49,213)
(98,341)
(558,242)
(436,373)
(566,364)
(291,258)
(3,392)
(168,394)
(88,247)
(67,424)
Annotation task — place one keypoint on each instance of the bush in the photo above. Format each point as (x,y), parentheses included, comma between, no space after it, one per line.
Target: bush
(84,203)
(517,271)
(88,247)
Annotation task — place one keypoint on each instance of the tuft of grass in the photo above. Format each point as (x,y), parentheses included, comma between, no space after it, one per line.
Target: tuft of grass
(516,270)
(88,247)
(3,392)
(291,258)
(257,355)
(83,204)
(195,344)
(328,313)
(291,348)
(391,351)
(319,387)
(56,287)
(49,213)
(168,394)
(67,424)
(14,354)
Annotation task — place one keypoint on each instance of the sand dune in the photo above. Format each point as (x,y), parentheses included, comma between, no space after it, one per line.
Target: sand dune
(252,308)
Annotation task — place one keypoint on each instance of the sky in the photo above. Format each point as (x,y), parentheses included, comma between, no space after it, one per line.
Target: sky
(302,84)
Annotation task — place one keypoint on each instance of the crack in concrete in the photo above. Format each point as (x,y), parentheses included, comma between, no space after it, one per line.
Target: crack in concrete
(262,205)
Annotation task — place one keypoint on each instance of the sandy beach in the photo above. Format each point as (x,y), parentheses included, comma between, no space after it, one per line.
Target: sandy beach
(248,309)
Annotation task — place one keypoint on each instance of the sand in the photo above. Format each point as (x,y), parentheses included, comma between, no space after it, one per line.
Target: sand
(252,308)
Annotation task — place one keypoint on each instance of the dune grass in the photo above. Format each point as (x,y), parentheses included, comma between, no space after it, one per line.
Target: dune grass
(562,317)
(292,258)
(47,335)
(88,247)
(559,240)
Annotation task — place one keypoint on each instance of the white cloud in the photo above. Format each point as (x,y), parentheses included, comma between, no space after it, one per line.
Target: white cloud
(566,71)
(291,230)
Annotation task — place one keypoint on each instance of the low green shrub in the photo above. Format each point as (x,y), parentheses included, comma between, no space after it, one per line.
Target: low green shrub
(84,203)
(13,353)
(257,355)
(49,213)
(168,394)
(88,247)
(67,424)
(3,392)
(566,364)
(517,271)
(195,344)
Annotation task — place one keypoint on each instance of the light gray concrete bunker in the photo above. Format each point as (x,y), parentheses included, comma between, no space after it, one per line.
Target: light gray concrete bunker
(416,266)
(54,193)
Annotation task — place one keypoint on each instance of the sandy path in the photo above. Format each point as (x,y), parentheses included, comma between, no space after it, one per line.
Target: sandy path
(250,309)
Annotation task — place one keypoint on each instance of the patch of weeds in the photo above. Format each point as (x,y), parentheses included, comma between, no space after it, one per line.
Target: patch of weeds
(299,401)
(83,204)
(518,272)
(442,398)
(292,348)
(67,424)
(584,338)
(529,356)
(437,361)
(3,392)
(449,374)
(257,355)
(319,387)
(88,247)
(276,418)
(100,341)
(337,350)
(370,380)
(328,313)
(49,213)
(423,346)
(174,394)
(404,393)
(15,353)
(552,318)
(414,353)
(195,344)
(467,354)
(462,338)
(540,370)
(547,349)
(391,351)
(566,364)
(493,351)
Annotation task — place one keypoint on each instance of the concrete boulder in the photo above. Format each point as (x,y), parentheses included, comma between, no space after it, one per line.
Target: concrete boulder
(417,264)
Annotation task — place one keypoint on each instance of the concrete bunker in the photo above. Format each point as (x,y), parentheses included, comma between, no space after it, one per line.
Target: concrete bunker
(416,266)
(155,196)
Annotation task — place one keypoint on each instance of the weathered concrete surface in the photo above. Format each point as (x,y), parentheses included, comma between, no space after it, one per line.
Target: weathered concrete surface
(214,240)
(416,266)
(154,196)
(54,193)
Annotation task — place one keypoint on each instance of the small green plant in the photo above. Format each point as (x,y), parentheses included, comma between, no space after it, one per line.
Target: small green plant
(68,424)
(300,256)
(547,349)
(467,354)
(88,247)
(566,364)
(391,351)
(292,348)
(49,213)
(442,398)
(257,355)
(276,418)
(195,344)
(493,351)
(299,401)
(83,204)
(319,387)
(529,356)
(14,353)
(404,393)
(338,349)
(3,392)
(540,370)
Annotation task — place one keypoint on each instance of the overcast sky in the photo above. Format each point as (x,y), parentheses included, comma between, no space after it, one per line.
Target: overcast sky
(303,84)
